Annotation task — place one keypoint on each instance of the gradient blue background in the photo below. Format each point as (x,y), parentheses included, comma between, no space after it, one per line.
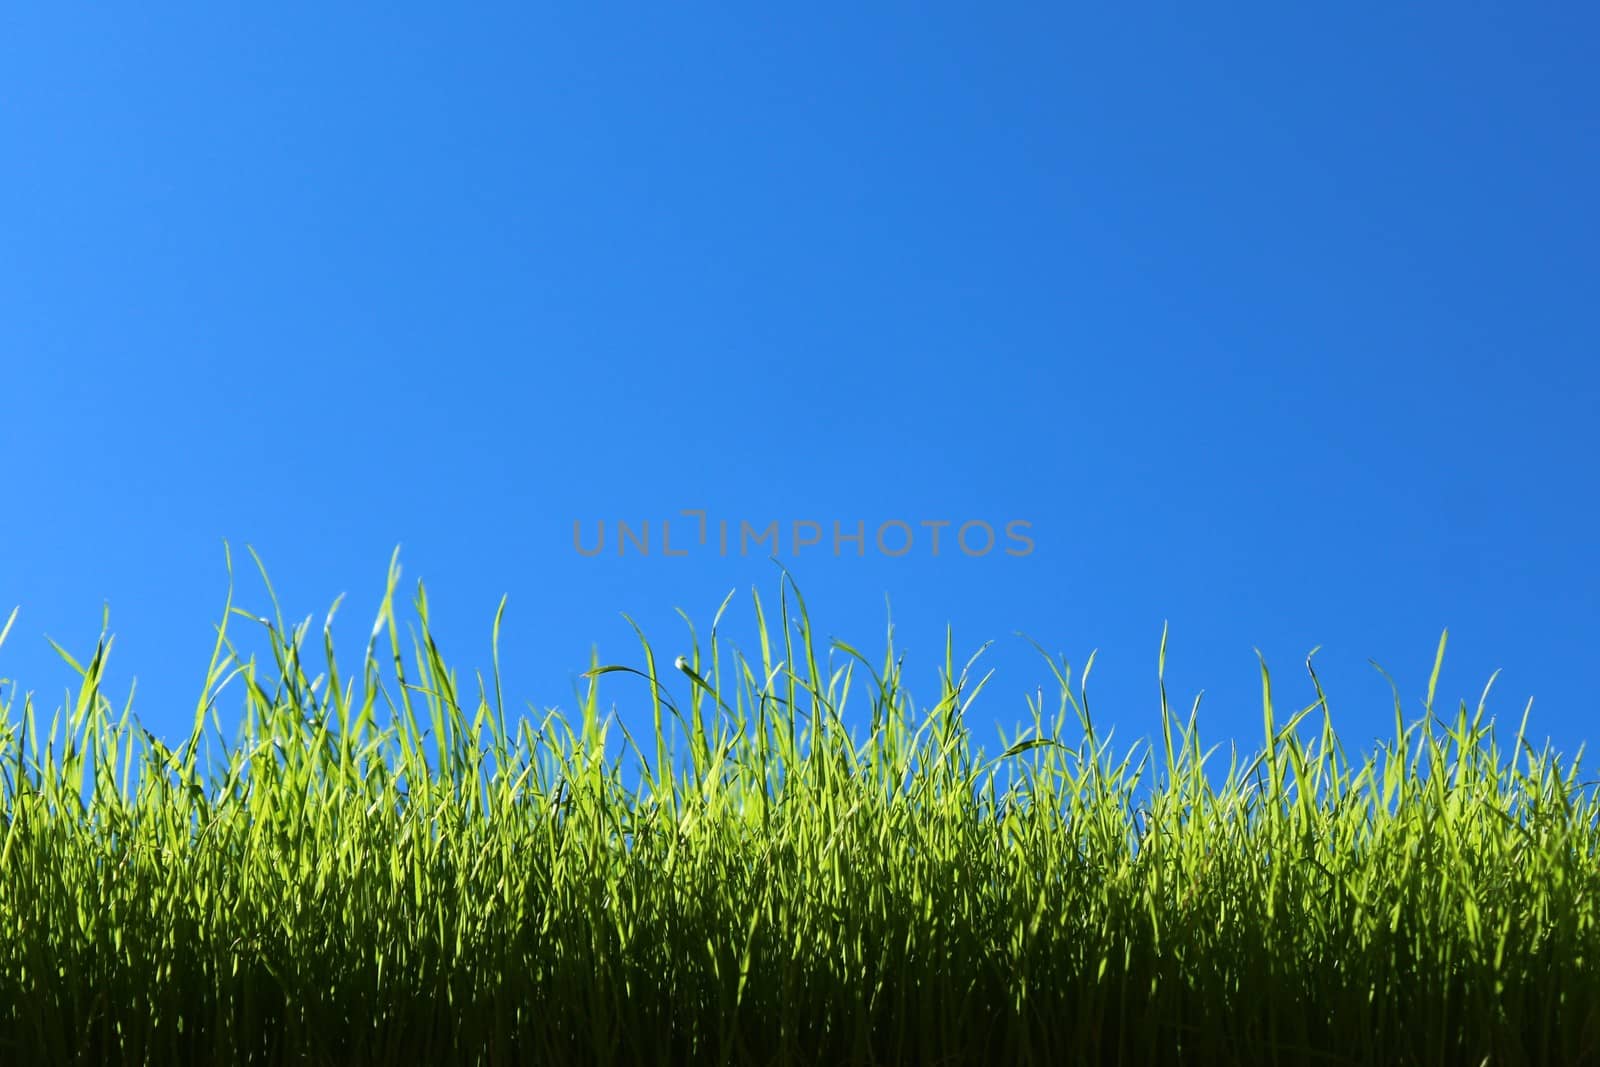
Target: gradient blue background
(1276,325)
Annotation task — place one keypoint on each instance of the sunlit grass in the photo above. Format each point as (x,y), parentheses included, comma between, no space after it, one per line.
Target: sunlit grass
(391,867)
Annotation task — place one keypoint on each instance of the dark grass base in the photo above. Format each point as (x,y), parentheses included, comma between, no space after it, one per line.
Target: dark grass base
(631,1018)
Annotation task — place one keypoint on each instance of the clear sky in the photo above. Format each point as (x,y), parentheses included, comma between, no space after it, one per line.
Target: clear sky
(1276,325)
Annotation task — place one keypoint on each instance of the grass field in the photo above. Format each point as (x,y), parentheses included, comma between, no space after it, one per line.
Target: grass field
(387,867)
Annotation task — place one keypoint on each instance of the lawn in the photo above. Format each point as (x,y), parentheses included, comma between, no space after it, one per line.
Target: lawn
(386,866)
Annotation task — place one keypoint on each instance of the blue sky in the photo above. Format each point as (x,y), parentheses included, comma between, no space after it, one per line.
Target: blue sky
(1275,325)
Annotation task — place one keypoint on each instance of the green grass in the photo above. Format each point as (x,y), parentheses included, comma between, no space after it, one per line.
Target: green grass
(387,867)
